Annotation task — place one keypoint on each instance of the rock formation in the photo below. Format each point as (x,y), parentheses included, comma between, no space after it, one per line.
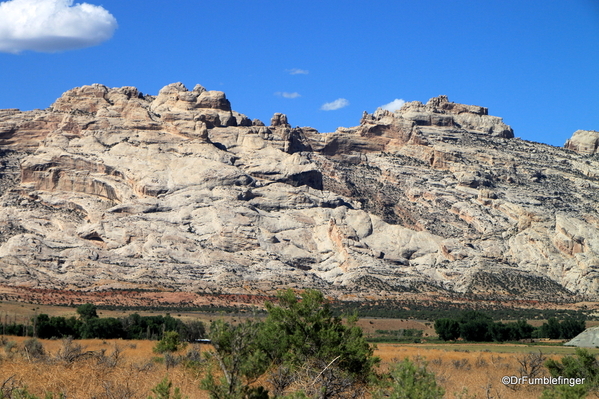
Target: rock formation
(111,188)
(589,338)
(584,141)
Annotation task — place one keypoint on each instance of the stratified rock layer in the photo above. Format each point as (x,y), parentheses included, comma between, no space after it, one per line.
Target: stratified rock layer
(110,188)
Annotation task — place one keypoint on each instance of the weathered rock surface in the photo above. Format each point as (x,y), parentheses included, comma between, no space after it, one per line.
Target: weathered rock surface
(589,338)
(113,188)
(583,141)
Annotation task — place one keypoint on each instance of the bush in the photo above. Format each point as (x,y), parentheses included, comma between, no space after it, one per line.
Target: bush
(301,334)
(301,343)
(407,380)
(582,365)
(10,348)
(69,352)
(238,356)
(163,391)
(34,349)
(10,389)
(170,342)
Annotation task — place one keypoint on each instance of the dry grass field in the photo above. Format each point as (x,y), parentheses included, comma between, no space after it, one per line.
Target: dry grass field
(102,375)
(478,368)
(131,374)
(118,369)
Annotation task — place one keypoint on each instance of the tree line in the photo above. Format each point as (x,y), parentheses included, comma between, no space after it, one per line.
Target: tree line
(89,325)
(433,310)
(478,326)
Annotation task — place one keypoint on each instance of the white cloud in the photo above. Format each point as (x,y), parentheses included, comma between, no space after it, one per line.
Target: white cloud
(297,71)
(337,104)
(394,105)
(285,94)
(52,25)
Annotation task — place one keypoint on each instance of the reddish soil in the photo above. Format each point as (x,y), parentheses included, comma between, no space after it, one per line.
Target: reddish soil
(182,299)
(370,325)
(127,298)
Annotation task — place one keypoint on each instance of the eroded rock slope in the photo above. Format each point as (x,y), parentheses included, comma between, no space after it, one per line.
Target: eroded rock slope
(110,188)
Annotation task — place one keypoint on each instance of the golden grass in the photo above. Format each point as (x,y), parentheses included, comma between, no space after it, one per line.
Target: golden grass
(457,367)
(133,377)
(478,371)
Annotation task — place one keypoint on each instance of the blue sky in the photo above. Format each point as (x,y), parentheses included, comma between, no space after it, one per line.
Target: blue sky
(534,63)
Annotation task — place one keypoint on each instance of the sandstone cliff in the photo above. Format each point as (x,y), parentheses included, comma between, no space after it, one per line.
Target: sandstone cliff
(110,188)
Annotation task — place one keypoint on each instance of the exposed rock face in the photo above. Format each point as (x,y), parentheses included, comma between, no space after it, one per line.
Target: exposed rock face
(113,188)
(589,338)
(583,141)
(279,119)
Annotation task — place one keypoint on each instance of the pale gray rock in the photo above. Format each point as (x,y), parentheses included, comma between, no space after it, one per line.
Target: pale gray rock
(583,141)
(111,186)
(213,100)
(589,338)
(279,119)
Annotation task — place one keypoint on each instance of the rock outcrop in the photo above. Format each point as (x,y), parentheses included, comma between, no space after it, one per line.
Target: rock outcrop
(111,188)
(583,141)
(589,338)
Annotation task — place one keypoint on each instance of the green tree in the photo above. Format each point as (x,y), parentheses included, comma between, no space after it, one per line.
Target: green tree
(192,330)
(475,326)
(447,329)
(551,329)
(104,328)
(476,330)
(170,342)
(407,380)
(300,342)
(501,332)
(43,327)
(522,329)
(87,311)
(570,328)
(301,335)
(239,358)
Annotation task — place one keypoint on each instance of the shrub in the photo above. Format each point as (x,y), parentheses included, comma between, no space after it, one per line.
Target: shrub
(238,356)
(10,348)
(34,349)
(582,365)
(10,389)
(301,343)
(170,342)
(163,391)
(69,352)
(407,380)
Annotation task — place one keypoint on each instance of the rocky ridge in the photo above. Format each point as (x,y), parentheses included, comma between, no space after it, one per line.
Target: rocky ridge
(111,188)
